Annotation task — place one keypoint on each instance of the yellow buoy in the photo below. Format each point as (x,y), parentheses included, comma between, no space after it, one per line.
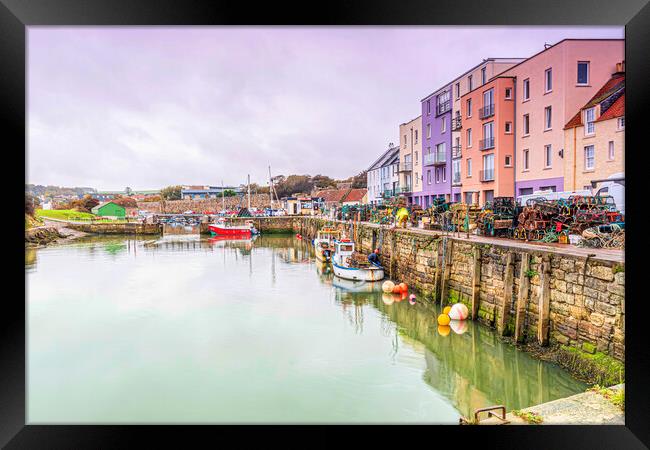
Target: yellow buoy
(443,319)
(443,330)
(446,310)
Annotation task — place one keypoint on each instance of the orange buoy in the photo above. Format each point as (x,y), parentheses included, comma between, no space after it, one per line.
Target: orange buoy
(404,287)
(397,289)
(404,295)
(443,319)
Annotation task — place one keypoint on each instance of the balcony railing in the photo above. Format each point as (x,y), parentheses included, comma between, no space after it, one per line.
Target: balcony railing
(406,166)
(428,159)
(456,123)
(405,189)
(439,158)
(456,152)
(443,107)
(456,180)
(487,143)
(388,193)
(486,111)
(487,175)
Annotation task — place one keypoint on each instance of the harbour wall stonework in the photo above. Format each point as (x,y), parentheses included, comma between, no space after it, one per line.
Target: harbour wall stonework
(532,295)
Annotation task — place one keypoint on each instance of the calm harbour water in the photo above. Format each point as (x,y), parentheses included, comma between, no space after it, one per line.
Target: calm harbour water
(196,330)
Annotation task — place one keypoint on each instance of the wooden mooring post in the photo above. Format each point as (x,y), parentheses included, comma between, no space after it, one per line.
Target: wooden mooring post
(476,282)
(508,281)
(436,278)
(544,301)
(522,297)
(449,247)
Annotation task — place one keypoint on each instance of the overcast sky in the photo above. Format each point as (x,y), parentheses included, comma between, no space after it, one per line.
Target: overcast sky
(110,107)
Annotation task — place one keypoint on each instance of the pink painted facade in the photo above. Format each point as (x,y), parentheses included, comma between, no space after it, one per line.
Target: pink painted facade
(549,87)
(489,149)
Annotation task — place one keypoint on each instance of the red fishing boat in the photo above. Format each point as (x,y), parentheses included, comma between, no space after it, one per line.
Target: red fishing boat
(220,228)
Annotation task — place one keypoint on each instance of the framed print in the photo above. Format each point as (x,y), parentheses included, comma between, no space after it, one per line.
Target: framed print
(368,213)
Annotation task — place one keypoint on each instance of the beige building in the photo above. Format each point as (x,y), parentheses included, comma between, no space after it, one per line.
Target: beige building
(410,157)
(594,139)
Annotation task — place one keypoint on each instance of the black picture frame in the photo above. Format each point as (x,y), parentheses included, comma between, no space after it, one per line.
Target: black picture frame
(16,15)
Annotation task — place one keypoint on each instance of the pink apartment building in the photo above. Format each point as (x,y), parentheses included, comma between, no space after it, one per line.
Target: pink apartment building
(549,88)
(487,140)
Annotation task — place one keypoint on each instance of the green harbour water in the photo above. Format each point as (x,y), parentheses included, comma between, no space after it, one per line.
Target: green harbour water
(186,329)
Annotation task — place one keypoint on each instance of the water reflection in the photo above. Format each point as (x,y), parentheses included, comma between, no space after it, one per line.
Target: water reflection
(465,361)
(250,330)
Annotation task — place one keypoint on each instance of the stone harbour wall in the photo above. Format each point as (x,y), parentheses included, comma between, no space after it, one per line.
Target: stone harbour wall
(549,297)
(117,228)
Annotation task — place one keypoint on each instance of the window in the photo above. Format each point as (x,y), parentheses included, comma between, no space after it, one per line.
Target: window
(508,93)
(428,177)
(428,107)
(547,118)
(488,167)
(583,72)
(548,80)
(416,156)
(437,175)
(548,188)
(483,76)
(610,151)
(526,161)
(468,198)
(428,130)
(469,167)
(469,83)
(589,157)
(416,136)
(590,119)
(444,174)
(621,123)
(526,124)
(508,127)
(488,131)
(527,191)
(455,170)
(404,141)
(416,178)
(469,107)
(469,137)
(443,125)
(508,161)
(488,98)
(457,90)
(526,89)
(548,154)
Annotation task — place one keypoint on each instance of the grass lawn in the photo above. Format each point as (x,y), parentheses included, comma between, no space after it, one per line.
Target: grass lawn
(64,214)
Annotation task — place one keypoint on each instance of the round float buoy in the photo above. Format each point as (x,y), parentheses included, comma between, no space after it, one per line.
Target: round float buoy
(403,296)
(397,289)
(458,312)
(446,310)
(443,319)
(443,330)
(388,286)
(404,287)
(298,236)
(412,299)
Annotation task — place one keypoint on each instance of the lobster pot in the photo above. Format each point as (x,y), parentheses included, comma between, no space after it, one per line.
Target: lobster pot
(500,224)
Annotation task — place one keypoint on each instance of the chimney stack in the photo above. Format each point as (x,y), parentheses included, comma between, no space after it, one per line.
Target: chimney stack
(620,67)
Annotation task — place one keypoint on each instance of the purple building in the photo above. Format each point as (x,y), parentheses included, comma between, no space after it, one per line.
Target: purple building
(436,147)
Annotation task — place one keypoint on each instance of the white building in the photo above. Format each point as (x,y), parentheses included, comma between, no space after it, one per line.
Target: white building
(383,176)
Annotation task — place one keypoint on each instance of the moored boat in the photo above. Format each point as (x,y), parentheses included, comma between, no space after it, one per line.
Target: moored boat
(222,229)
(347,264)
(324,243)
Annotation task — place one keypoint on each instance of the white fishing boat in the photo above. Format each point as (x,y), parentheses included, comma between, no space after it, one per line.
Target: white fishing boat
(348,265)
(324,243)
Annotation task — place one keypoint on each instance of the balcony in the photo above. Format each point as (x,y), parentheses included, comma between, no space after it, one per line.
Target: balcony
(486,111)
(456,152)
(439,158)
(487,143)
(406,166)
(388,193)
(405,189)
(487,175)
(443,107)
(456,123)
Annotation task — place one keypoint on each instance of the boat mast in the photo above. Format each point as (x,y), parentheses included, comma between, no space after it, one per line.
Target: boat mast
(271,189)
(249,192)
(223,198)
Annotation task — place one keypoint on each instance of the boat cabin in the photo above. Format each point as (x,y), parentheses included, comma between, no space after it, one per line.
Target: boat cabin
(344,247)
